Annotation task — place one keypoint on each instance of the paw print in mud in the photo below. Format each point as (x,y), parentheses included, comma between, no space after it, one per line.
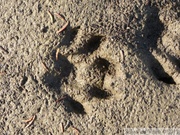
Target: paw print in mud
(79,64)
(168,53)
(91,67)
(161,34)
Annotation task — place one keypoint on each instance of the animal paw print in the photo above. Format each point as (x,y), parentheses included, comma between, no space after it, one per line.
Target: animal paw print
(82,65)
(168,54)
(91,67)
(165,50)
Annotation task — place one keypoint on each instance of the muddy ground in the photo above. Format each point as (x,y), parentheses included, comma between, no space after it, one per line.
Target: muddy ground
(115,65)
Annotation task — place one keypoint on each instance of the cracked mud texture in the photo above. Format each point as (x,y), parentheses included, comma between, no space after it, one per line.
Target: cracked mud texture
(118,66)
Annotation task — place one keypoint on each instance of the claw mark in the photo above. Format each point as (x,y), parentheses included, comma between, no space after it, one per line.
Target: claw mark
(92,44)
(73,106)
(98,93)
(170,68)
(24,80)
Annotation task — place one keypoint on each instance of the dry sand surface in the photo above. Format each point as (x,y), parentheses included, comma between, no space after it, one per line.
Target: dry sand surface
(115,64)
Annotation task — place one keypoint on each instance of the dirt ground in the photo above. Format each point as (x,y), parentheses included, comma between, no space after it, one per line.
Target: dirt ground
(115,65)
